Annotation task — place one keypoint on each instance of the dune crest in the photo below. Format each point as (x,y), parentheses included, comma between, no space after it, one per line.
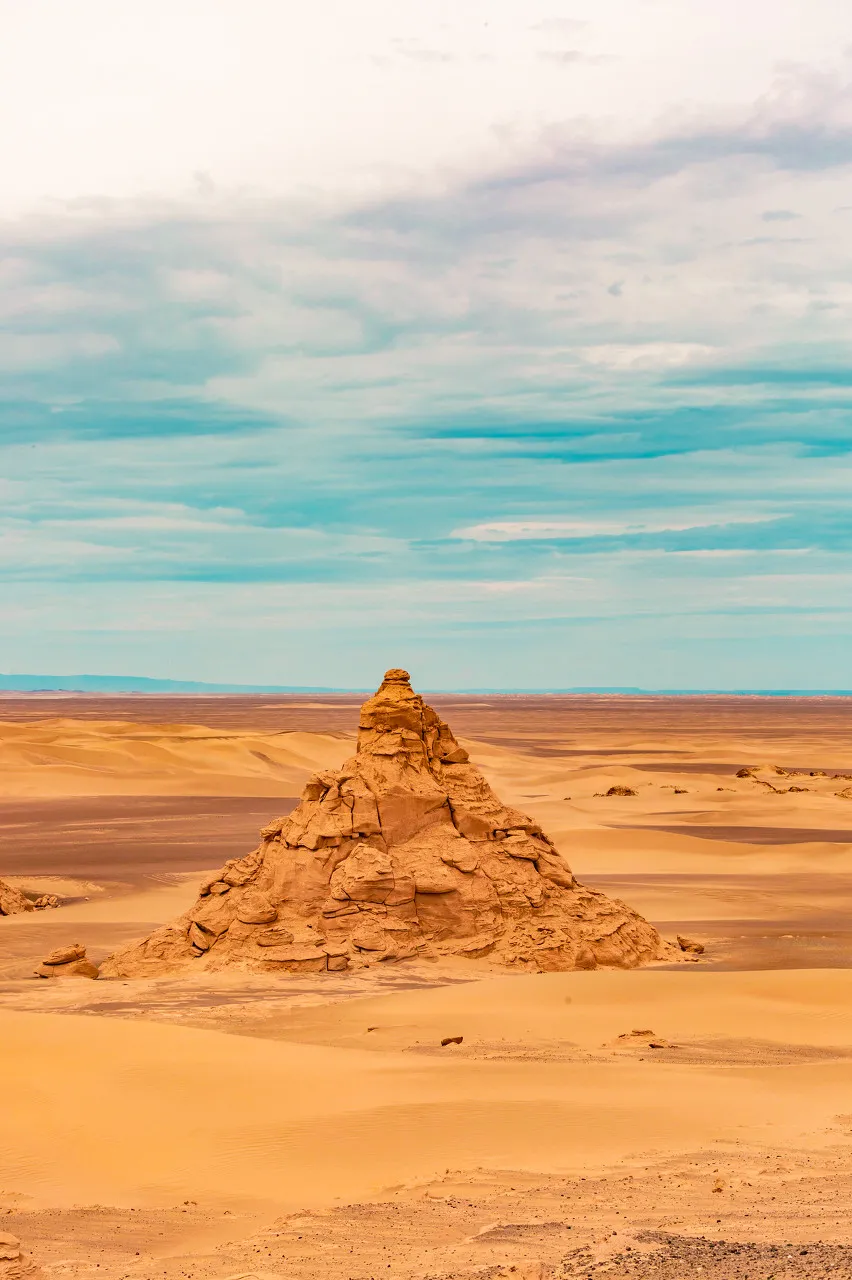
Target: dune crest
(405,851)
(65,756)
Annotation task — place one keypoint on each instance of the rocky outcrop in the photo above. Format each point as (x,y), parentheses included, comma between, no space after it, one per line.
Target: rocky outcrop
(12,901)
(14,1262)
(67,962)
(406,851)
(47,901)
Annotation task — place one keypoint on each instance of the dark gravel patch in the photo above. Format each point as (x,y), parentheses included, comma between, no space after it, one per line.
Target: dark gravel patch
(674,1257)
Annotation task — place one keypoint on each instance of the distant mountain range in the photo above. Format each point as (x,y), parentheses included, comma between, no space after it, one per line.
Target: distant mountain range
(138,684)
(145,684)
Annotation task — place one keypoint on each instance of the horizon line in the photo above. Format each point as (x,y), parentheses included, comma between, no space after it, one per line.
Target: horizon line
(114,686)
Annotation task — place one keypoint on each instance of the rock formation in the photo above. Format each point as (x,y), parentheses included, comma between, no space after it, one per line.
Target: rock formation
(12,901)
(67,962)
(406,851)
(14,1263)
(47,901)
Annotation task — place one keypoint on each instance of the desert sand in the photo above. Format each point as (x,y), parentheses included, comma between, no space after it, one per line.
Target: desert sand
(668,1121)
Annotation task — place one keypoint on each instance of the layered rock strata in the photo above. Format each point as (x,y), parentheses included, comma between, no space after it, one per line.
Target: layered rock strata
(406,851)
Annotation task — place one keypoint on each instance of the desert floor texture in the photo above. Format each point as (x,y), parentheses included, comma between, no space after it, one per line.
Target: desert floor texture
(691,1119)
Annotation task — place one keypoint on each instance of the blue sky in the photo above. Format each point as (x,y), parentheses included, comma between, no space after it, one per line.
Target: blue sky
(508,342)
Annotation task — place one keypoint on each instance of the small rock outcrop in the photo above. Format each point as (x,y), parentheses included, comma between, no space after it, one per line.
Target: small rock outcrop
(47,901)
(14,1262)
(12,901)
(406,851)
(67,962)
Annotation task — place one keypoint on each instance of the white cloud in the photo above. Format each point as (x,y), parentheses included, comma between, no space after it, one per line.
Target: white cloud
(20,351)
(646,355)
(526,530)
(105,98)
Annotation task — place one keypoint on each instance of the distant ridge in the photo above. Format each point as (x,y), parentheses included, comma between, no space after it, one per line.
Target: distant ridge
(148,684)
(138,684)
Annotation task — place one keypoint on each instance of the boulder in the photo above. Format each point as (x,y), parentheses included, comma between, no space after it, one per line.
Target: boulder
(256,909)
(405,851)
(64,955)
(67,962)
(46,901)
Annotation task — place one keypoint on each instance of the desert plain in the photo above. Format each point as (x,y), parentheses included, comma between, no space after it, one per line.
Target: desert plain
(684,1118)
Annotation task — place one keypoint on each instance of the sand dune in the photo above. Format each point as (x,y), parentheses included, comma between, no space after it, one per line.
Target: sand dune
(238,1120)
(264,1095)
(66,757)
(591,1009)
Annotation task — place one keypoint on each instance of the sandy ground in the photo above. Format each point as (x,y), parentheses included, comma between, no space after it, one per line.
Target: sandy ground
(246,1126)
(70,757)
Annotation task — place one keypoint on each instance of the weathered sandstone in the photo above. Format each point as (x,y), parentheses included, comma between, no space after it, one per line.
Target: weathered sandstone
(12,901)
(14,1262)
(47,901)
(67,962)
(406,851)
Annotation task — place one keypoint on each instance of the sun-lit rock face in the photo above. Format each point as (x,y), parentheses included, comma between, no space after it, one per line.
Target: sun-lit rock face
(404,852)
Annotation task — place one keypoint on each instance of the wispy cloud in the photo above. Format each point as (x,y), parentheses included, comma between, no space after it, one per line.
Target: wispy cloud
(565,57)
(557,530)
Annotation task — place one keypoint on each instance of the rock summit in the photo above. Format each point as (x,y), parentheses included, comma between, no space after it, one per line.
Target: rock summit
(404,852)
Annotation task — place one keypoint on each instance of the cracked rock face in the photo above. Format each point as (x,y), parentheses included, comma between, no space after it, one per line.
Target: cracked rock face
(406,851)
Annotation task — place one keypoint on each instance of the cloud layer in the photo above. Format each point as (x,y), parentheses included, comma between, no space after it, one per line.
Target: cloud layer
(584,411)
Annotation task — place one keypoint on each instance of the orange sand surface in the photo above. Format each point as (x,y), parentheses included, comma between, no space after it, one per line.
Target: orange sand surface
(227,1118)
(66,757)
(251,1125)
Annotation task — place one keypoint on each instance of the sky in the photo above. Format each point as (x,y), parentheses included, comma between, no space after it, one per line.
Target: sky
(504,340)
